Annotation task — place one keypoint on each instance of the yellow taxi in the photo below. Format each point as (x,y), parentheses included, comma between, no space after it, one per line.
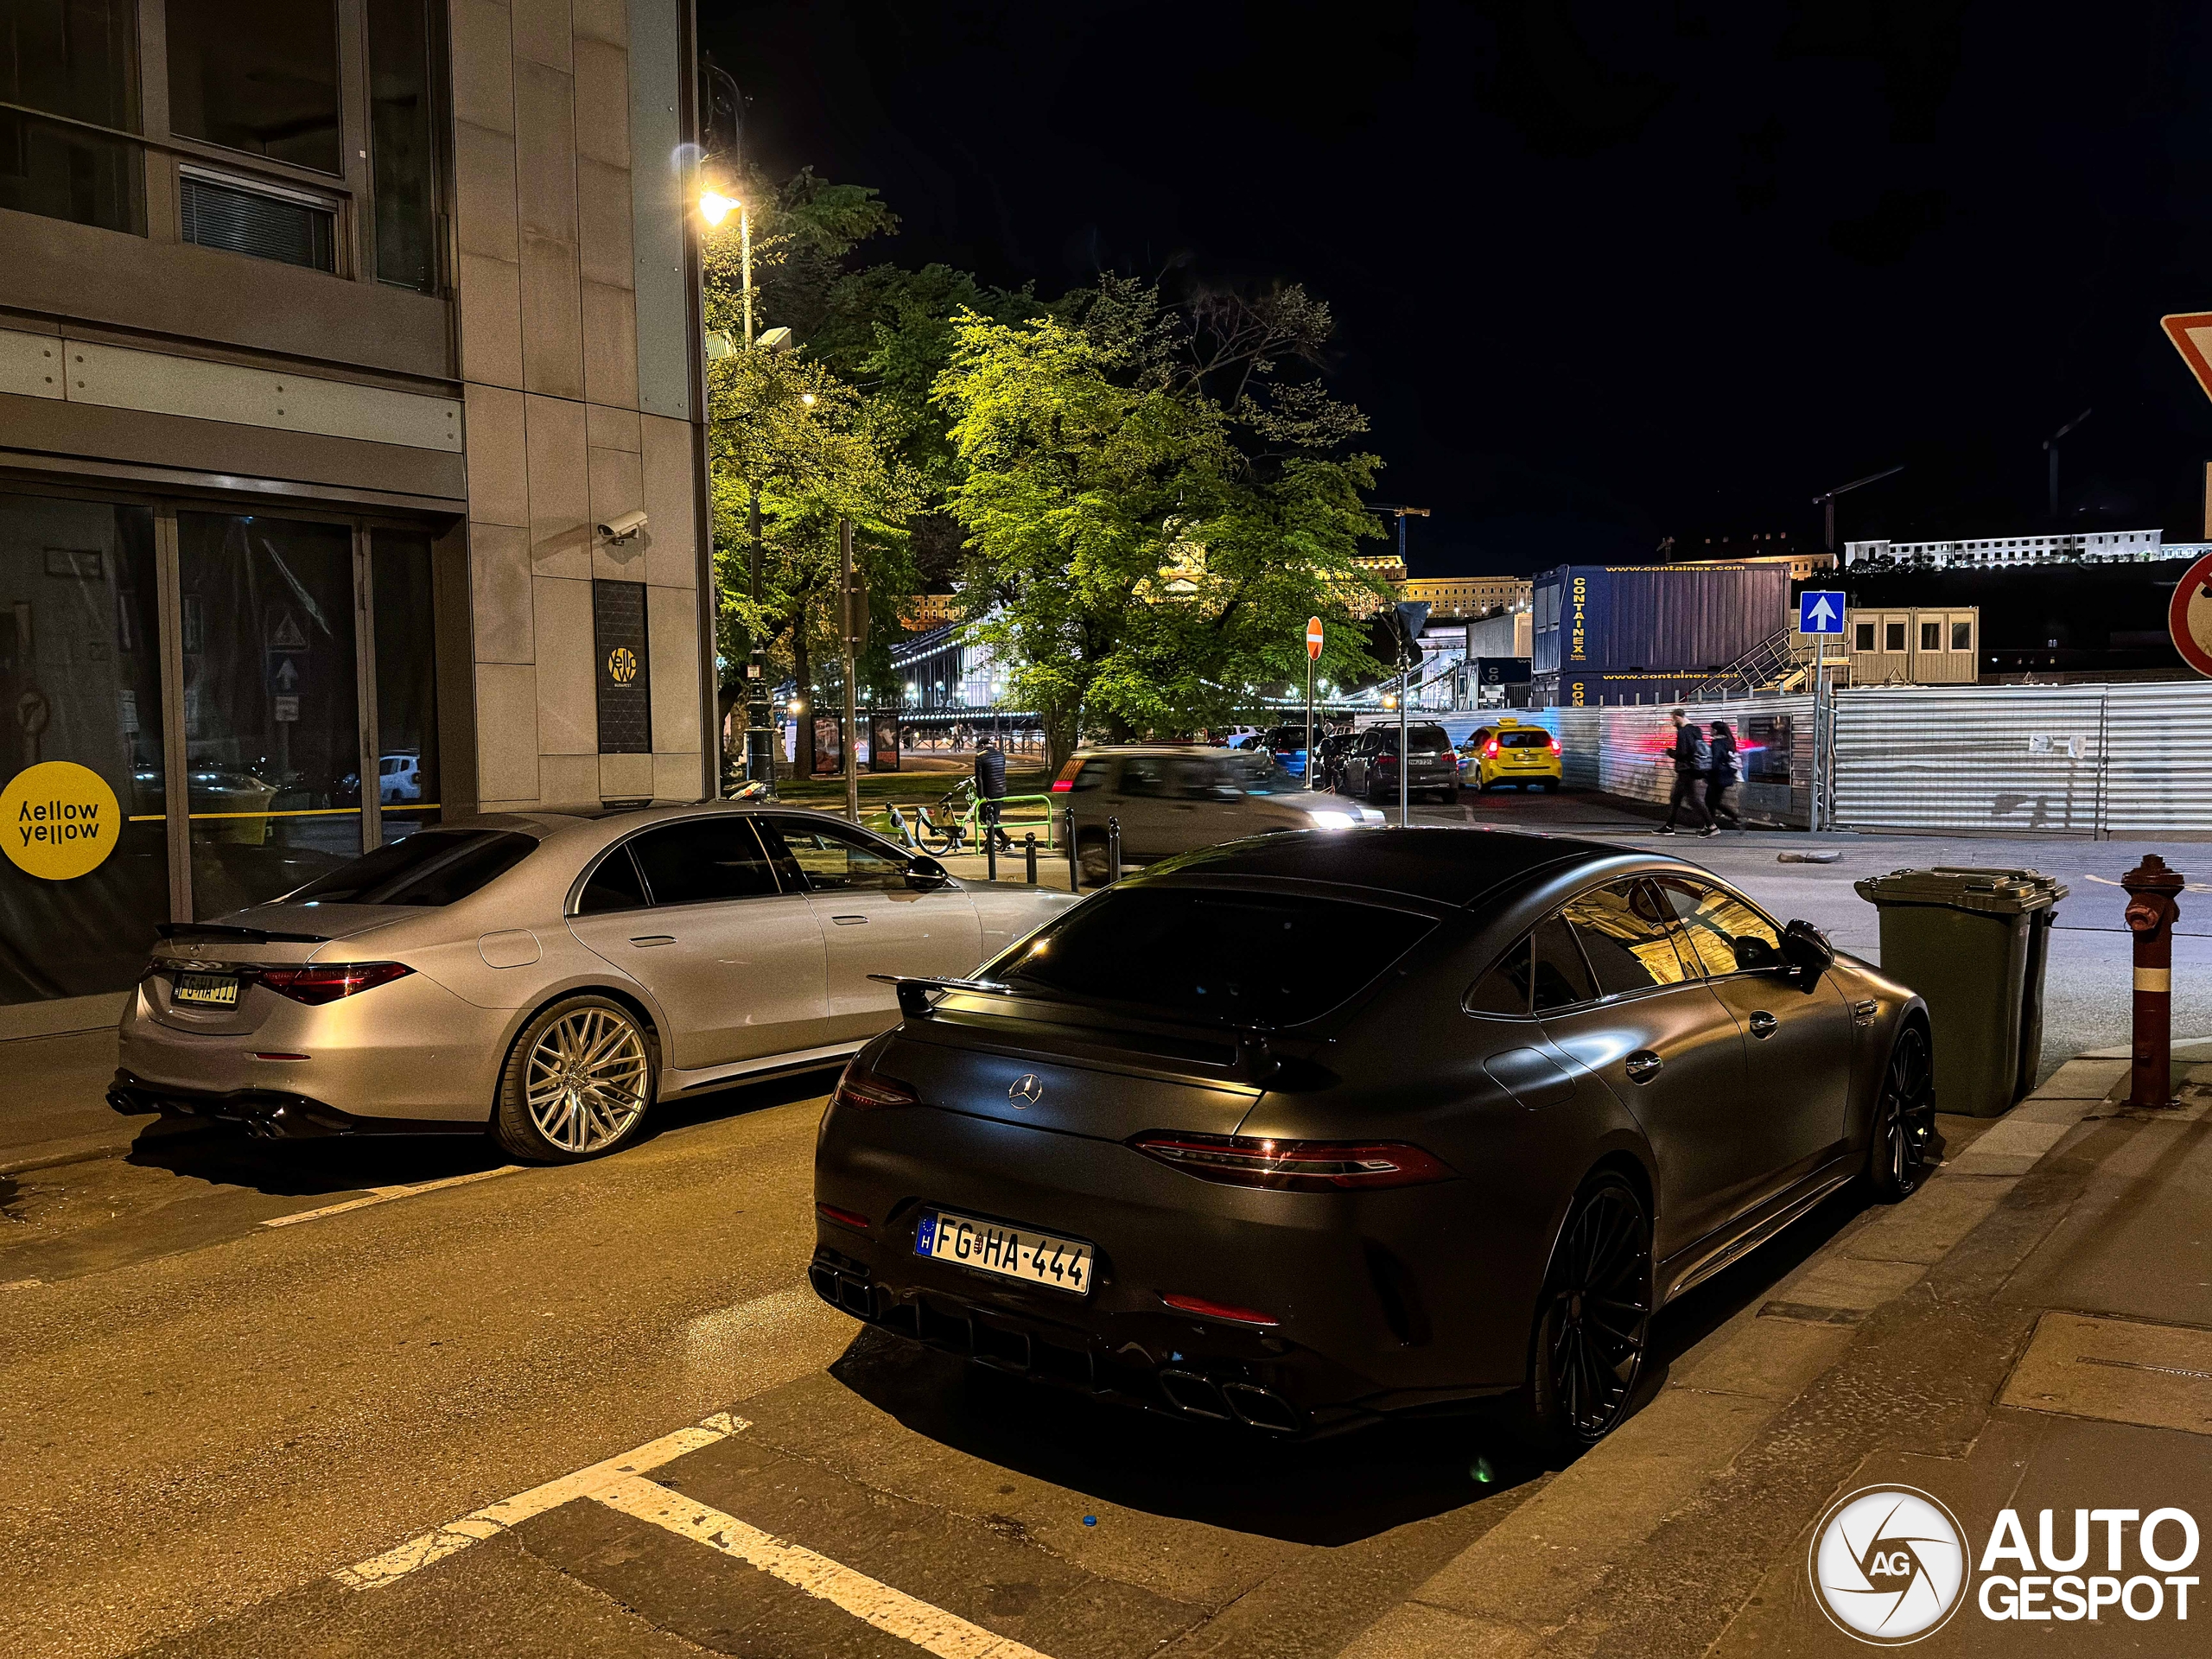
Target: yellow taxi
(1509,752)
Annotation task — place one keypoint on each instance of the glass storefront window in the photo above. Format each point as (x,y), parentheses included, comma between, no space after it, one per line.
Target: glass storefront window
(80,684)
(271,705)
(259,76)
(407,688)
(77,58)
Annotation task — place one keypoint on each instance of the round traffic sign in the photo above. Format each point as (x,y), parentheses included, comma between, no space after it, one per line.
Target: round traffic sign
(1314,639)
(2188,616)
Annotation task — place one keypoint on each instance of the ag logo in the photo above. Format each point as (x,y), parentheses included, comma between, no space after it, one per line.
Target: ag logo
(59,820)
(1025,1091)
(1888,1565)
(621,665)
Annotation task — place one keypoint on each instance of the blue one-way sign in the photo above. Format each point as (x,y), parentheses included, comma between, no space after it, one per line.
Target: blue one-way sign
(1820,612)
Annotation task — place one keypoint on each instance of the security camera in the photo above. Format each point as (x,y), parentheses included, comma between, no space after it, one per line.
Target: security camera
(625,528)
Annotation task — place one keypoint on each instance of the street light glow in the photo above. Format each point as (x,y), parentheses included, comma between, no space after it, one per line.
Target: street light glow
(807,397)
(714,207)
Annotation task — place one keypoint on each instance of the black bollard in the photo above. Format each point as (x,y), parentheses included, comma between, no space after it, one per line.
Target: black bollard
(1029,854)
(1113,850)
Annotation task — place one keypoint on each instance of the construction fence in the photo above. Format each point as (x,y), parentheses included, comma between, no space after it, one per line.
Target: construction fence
(2086,760)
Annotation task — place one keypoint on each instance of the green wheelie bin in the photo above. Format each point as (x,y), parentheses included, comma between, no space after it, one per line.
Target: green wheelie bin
(1973,944)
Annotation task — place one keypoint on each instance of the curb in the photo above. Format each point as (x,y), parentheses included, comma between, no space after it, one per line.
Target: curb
(83,1149)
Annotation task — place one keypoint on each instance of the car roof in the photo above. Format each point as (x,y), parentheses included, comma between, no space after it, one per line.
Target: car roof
(1444,864)
(615,819)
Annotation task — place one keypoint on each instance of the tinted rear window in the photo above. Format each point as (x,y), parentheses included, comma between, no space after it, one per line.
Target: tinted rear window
(1524,739)
(1241,958)
(1423,737)
(431,867)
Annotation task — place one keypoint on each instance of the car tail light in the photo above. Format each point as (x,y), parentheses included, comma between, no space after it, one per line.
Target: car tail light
(852,1218)
(1490,750)
(1294,1166)
(1555,745)
(863,1090)
(1065,781)
(327,982)
(1212,1310)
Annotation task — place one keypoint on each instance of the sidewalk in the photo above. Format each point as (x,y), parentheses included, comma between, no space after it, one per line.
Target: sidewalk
(2032,1329)
(55,1110)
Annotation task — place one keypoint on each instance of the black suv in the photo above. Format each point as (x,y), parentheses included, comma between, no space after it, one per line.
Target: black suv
(1370,767)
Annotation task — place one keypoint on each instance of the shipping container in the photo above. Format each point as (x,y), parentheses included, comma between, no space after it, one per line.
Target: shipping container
(1659,623)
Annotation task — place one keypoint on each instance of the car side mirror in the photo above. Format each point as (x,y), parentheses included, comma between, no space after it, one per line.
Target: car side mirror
(924,872)
(1807,949)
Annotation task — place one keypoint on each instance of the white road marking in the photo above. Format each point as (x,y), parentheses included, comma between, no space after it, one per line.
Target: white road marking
(386,1194)
(496,1518)
(893,1611)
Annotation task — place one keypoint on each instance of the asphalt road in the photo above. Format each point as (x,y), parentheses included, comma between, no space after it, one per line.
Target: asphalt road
(209,1416)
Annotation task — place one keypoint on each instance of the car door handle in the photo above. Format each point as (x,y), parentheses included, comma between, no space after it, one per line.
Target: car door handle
(1642,1065)
(1764,1024)
(849,921)
(646,940)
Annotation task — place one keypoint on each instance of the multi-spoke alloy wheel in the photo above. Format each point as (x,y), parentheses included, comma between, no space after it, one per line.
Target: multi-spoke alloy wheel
(1904,1119)
(579,1079)
(1596,1315)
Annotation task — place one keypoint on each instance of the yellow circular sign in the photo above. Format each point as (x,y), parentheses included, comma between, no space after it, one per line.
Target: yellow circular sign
(60,820)
(622,665)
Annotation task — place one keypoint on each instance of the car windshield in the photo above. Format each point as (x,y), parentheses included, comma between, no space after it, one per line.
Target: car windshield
(1242,958)
(432,866)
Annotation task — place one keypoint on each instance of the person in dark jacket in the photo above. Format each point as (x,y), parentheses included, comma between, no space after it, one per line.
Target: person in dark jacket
(1726,772)
(990,784)
(1692,759)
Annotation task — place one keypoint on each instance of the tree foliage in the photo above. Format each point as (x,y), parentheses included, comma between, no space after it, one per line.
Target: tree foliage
(1152,505)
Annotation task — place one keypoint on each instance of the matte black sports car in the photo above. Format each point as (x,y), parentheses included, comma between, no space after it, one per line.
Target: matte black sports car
(1299,1130)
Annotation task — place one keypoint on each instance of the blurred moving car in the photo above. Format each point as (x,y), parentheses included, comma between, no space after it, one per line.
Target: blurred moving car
(1509,752)
(1301,1130)
(1175,800)
(547,977)
(1370,767)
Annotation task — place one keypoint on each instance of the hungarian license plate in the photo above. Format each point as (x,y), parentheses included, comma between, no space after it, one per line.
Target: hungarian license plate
(210,990)
(1010,1252)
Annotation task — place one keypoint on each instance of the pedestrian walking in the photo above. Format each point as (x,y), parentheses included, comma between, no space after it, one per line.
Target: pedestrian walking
(1726,772)
(1693,760)
(990,786)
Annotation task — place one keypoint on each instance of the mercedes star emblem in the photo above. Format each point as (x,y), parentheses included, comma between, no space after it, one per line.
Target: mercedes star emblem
(1025,1091)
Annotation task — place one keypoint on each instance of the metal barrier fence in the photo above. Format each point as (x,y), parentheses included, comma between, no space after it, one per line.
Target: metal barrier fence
(1627,749)
(2088,760)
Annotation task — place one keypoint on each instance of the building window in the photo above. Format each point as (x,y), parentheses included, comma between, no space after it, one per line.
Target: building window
(259,76)
(1961,636)
(401,130)
(79,60)
(1931,636)
(1862,636)
(1892,636)
(271,706)
(286,226)
(81,677)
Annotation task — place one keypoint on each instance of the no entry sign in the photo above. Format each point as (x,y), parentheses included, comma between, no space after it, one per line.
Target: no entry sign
(2188,616)
(1314,639)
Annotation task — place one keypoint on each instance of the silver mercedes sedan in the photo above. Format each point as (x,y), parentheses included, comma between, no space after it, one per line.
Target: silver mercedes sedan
(546,976)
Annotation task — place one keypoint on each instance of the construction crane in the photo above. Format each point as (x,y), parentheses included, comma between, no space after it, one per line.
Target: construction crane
(1827,502)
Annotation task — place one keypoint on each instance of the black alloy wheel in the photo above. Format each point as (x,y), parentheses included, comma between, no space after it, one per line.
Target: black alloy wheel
(1904,1120)
(1595,1317)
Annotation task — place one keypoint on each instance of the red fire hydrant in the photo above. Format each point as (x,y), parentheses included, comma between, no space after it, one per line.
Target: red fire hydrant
(2151,915)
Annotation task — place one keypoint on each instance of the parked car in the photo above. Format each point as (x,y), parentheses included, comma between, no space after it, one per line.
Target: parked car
(1174,800)
(399,778)
(547,977)
(1370,767)
(1509,752)
(1287,745)
(1304,1130)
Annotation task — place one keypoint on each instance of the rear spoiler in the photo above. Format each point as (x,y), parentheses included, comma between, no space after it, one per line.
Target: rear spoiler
(241,935)
(914,989)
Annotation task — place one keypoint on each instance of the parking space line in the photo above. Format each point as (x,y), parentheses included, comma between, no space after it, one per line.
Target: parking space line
(893,1611)
(496,1518)
(386,1194)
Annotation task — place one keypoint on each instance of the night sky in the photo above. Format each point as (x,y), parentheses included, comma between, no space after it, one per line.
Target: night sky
(1602,273)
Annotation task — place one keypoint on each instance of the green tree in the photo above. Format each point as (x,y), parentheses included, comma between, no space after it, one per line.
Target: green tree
(1154,501)
(792,449)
